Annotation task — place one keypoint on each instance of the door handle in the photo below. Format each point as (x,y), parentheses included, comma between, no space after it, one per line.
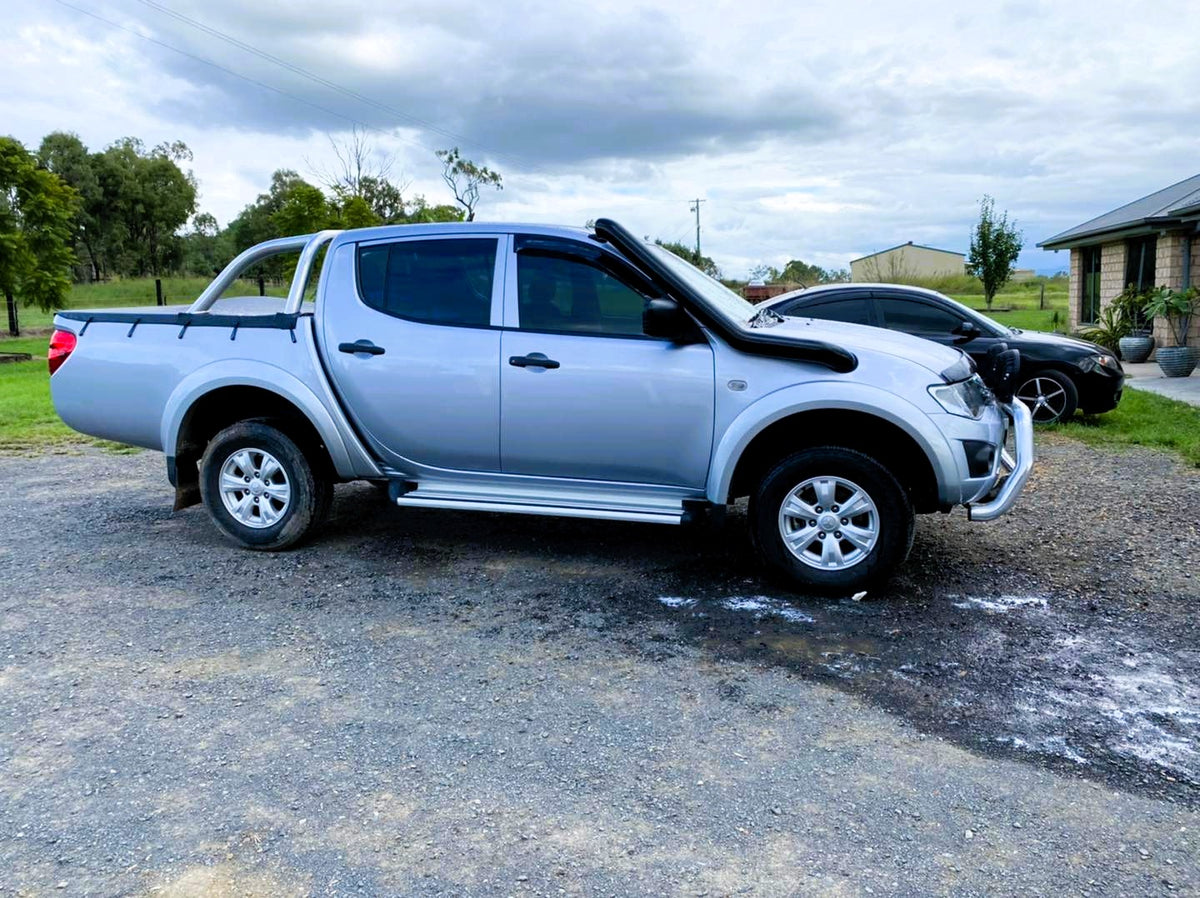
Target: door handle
(361,346)
(533,360)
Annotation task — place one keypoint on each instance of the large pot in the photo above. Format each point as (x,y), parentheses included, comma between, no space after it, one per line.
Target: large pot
(1176,361)
(1136,347)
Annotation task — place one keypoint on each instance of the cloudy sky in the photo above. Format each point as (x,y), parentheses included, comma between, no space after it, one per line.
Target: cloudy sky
(820,131)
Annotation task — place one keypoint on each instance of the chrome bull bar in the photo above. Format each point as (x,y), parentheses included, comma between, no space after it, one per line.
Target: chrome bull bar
(1019,467)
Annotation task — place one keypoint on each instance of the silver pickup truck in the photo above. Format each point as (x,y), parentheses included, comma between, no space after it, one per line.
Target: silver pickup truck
(552,371)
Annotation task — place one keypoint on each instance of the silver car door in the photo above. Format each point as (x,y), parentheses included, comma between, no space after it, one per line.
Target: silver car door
(585,395)
(412,339)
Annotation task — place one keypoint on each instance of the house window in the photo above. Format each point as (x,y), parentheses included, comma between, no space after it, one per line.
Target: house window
(1139,262)
(1089,307)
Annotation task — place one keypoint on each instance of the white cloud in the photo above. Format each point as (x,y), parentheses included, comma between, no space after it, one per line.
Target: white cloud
(819,132)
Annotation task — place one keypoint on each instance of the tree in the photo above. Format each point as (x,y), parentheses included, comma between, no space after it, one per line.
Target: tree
(290,204)
(363,171)
(768,274)
(357,213)
(465,177)
(65,154)
(384,199)
(798,272)
(206,248)
(688,253)
(302,209)
(995,246)
(420,212)
(37,209)
(131,221)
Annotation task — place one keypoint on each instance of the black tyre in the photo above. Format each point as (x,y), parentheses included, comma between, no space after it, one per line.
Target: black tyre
(831,520)
(1050,395)
(260,488)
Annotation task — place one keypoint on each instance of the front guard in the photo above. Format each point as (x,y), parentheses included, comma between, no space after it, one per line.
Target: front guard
(1019,467)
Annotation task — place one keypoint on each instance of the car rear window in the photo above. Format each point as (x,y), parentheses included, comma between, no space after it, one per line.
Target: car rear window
(916,317)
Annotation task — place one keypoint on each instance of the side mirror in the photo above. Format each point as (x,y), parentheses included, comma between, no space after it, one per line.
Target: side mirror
(968,330)
(999,370)
(663,318)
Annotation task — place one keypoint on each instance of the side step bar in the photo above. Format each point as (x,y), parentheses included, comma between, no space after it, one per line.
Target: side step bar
(404,495)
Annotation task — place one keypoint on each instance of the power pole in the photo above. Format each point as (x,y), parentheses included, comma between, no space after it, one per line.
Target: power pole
(695,207)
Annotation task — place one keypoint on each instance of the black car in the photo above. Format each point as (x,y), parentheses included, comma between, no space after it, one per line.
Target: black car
(1057,375)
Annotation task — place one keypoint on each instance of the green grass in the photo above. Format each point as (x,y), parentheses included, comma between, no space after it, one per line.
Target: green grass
(27,417)
(1142,419)
(35,346)
(1026,319)
(1018,305)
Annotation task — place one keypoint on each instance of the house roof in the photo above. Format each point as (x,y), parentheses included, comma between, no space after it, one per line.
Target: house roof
(948,252)
(1160,207)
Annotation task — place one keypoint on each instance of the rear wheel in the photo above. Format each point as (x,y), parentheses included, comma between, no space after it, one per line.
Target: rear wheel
(1050,395)
(260,488)
(831,520)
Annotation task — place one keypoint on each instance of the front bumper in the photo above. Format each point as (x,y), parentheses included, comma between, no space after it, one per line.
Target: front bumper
(1019,467)
(1100,391)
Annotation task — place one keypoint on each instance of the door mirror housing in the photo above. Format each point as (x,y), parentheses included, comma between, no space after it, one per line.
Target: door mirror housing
(663,317)
(968,330)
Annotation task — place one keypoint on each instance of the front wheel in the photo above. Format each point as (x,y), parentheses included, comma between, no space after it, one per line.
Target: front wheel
(831,520)
(260,488)
(1050,395)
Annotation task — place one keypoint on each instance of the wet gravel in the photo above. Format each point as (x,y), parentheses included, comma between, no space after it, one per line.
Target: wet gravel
(439,703)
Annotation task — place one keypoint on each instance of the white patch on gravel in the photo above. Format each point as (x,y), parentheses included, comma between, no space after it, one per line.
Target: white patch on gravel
(1050,745)
(677,602)
(1154,711)
(759,606)
(1159,712)
(999,604)
(765,606)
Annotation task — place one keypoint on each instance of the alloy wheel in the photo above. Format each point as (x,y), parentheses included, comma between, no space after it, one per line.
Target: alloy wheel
(829,523)
(254,488)
(1046,398)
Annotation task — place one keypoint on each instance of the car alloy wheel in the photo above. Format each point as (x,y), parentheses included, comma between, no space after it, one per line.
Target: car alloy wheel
(829,523)
(1046,397)
(254,488)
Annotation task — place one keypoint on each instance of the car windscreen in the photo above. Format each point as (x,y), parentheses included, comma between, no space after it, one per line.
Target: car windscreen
(712,292)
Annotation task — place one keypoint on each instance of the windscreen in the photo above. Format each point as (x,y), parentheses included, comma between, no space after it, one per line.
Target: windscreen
(715,295)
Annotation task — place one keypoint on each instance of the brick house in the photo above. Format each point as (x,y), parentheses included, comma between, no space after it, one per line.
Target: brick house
(1151,242)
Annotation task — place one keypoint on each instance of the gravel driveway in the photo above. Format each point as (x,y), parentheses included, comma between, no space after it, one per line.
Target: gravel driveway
(438,703)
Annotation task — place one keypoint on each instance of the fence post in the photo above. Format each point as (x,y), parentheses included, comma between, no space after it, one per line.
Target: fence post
(1042,299)
(262,286)
(14,326)
(158,294)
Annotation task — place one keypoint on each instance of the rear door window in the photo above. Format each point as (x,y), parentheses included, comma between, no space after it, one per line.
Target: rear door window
(434,281)
(914,316)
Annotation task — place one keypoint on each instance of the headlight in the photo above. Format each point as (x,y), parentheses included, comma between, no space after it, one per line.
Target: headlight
(967,398)
(1104,360)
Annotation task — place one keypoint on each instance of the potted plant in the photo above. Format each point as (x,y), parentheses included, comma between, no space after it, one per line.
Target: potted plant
(1176,307)
(1109,329)
(1137,345)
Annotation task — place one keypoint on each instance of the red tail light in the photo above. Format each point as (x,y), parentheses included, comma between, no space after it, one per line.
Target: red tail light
(62,344)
